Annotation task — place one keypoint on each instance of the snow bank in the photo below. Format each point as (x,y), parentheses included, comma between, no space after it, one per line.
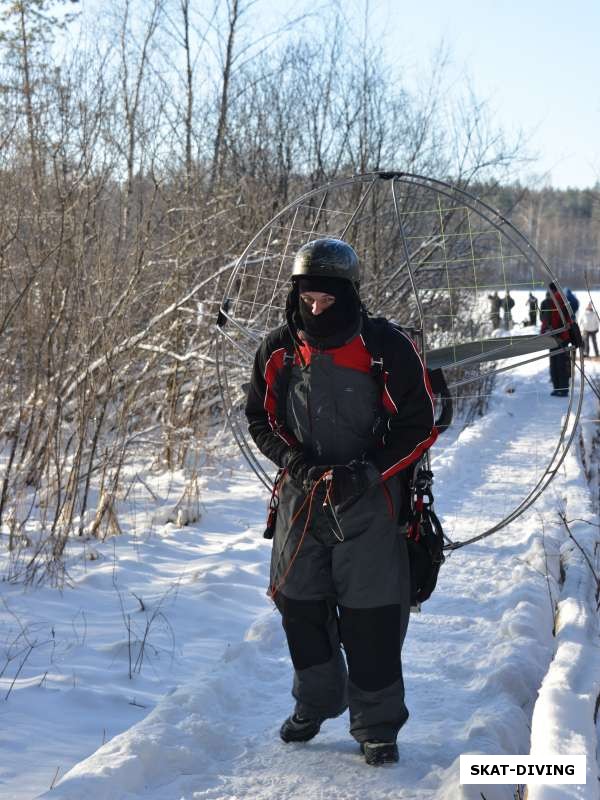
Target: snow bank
(563,718)
(193,732)
(175,599)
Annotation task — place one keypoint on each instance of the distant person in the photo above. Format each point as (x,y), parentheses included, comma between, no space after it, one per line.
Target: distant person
(552,320)
(508,303)
(573,301)
(590,325)
(532,303)
(546,307)
(495,305)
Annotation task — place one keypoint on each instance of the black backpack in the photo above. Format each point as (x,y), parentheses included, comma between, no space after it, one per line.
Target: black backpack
(424,539)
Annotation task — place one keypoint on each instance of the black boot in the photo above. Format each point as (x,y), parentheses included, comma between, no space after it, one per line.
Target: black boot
(377,753)
(297,729)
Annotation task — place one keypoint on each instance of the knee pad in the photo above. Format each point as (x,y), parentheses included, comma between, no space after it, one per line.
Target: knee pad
(372,639)
(308,628)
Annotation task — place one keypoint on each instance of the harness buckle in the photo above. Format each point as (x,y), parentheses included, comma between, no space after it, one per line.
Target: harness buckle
(377,370)
(422,494)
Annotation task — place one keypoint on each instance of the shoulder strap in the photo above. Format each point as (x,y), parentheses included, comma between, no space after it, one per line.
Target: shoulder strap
(284,377)
(373,333)
(375,330)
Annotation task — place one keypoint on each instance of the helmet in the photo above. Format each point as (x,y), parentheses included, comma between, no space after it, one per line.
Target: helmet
(327,258)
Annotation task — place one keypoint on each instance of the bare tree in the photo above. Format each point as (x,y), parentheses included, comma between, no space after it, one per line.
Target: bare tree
(130,182)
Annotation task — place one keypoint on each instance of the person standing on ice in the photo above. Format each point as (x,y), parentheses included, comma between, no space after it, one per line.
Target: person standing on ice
(590,325)
(532,304)
(554,320)
(508,303)
(546,307)
(343,433)
(572,301)
(495,305)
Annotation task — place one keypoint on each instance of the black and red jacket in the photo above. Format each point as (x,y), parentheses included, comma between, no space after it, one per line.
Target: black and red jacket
(405,397)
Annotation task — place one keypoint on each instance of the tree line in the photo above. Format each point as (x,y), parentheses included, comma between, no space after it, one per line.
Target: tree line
(562,224)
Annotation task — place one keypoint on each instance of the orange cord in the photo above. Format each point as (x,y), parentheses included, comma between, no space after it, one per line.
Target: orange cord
(309,498)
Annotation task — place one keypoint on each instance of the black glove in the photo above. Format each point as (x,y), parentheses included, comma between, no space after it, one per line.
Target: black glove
(303,473)
(350,481)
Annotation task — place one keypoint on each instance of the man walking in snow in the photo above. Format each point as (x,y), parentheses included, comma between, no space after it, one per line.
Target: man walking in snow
(343,430)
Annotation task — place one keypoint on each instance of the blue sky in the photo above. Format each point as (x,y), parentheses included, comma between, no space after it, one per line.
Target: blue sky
(537,63)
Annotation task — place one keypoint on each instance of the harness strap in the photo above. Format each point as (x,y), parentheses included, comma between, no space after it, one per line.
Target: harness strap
(373,337)
(283,382)
(373,334)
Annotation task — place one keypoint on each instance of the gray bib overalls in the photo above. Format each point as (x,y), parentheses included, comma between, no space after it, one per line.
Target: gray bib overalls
(345,584)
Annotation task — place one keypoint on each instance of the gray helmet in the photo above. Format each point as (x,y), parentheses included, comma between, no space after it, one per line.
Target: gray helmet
(327,258)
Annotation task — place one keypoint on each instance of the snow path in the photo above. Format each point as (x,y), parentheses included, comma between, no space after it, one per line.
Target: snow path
(473,659)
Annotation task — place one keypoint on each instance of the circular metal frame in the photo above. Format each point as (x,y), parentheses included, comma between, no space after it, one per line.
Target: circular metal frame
(244,340)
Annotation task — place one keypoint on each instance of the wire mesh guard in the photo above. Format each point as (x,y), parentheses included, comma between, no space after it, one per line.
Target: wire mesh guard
(431,257)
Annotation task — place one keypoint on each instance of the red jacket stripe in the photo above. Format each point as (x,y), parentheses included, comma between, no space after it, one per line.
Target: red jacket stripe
(418,451)
(387,399)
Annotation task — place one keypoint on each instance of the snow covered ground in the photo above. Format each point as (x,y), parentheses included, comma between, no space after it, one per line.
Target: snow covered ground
(161,671)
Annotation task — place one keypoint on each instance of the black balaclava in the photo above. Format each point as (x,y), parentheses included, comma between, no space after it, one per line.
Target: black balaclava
(337,324)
